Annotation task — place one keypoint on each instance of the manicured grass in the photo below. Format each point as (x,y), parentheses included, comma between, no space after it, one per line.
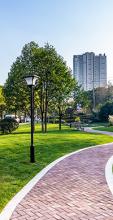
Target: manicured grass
(15,168)
(104,128)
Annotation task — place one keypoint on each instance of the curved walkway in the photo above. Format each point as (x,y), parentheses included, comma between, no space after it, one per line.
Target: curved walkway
(74,189)
(91,130)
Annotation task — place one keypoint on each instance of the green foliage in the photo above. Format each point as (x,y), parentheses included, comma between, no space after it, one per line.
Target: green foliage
(81,98)
(2,102)
(7,125)
(105,111)
(55,82)
(2,99)
(77,119)
(16,92)
(101,96)
(54,75)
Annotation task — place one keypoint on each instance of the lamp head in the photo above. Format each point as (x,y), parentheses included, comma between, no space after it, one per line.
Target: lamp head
(31,80)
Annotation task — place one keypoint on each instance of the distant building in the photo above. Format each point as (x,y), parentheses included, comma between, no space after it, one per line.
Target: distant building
(90,70)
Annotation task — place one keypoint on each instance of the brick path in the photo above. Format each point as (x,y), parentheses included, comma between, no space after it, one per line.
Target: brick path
(74,189)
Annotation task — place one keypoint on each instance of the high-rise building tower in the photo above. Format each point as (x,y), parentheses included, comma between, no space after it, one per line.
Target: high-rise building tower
(90,70)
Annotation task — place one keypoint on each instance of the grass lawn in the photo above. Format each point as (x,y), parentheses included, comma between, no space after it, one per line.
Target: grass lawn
(15,168)
(104,128)
(98,124)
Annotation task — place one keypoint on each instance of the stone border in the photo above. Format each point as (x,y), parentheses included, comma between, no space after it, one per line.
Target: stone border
(109,173)
(9,208)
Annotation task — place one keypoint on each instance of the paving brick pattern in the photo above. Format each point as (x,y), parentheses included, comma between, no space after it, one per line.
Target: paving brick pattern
(74,189)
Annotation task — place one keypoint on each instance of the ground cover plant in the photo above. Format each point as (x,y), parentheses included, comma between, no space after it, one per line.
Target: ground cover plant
(15,168)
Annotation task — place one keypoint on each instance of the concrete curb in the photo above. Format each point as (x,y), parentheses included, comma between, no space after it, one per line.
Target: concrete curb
(109,173)
(9,208)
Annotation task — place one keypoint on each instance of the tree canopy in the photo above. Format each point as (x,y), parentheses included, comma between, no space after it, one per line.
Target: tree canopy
(55,83)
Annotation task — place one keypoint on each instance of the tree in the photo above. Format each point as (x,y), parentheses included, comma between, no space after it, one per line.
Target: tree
(16,92)
(63,90)
(50,69)
(54,80)
(102,95)
(81,98)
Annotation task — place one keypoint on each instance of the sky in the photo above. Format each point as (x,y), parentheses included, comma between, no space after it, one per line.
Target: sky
(71,26)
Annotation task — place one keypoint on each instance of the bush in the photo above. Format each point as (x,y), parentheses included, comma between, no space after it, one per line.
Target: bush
(105,111)
(111,120)
(7,125)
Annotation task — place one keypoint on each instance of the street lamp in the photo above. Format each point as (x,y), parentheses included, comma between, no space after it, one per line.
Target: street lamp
(31,81)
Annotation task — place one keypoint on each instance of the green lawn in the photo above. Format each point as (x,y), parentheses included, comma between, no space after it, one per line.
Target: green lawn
(15,168)
(98,124)
(104,128)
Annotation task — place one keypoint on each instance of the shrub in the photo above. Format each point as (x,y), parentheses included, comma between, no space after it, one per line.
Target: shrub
(105,111)
(7,125)
(111,120)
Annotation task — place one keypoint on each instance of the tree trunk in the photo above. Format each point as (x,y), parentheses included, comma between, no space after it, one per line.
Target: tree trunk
(42,119)
(42,108)
(45,121)
(15,113)
(1,115)
(25,114)
(46,109)
(60,118)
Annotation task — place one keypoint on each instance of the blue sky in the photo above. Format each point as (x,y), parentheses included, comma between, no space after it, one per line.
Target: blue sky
(71,26)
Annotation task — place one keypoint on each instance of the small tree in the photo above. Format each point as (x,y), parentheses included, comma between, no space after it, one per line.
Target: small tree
(81,98)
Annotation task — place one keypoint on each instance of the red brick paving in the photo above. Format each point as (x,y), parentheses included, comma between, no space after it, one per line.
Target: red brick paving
(74,189)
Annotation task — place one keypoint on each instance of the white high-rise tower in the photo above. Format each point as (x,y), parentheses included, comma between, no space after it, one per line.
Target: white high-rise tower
(90,70)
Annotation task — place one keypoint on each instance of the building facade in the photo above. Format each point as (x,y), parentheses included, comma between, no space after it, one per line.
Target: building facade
(90,70)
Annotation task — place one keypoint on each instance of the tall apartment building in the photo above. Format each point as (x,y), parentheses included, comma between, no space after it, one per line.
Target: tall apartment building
(90,70)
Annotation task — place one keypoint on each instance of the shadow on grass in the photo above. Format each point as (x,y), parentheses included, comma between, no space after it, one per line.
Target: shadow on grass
(51,131)
(59,132)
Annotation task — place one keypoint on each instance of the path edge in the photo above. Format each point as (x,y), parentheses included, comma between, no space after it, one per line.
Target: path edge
(109,173)
(10,207)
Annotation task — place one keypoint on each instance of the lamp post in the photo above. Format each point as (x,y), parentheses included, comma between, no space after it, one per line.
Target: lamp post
(31,81)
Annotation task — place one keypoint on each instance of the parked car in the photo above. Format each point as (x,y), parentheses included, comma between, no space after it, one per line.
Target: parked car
(12,116)
(27,119)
